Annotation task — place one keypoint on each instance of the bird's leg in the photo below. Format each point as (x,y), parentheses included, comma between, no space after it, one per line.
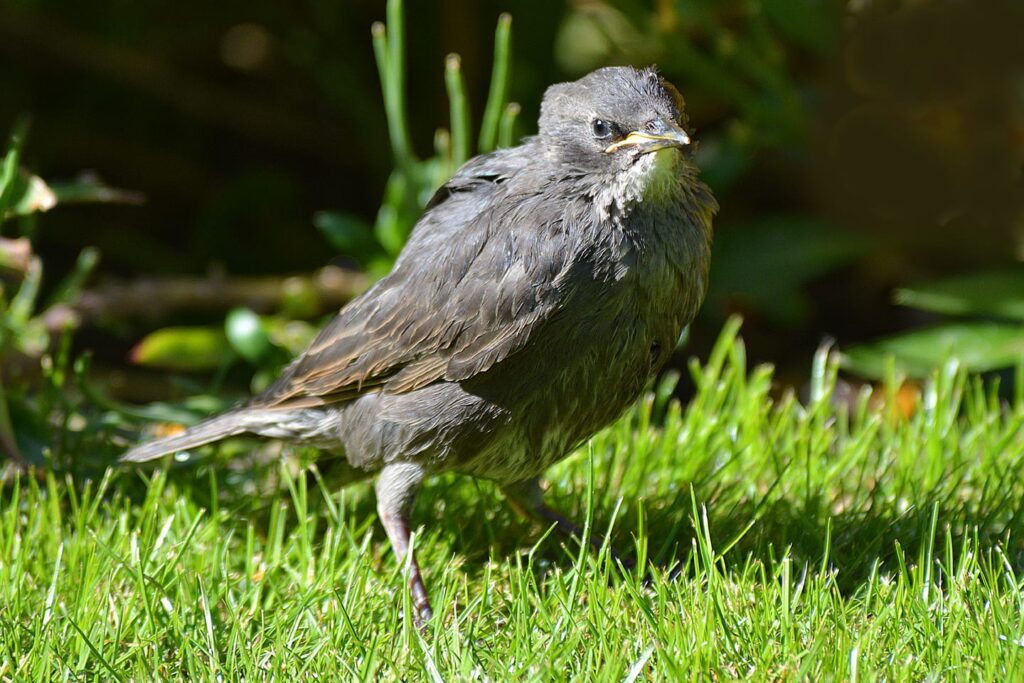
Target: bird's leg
(397,486)
(527,499)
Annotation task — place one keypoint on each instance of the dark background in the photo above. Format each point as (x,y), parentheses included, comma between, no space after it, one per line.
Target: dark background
(854,147)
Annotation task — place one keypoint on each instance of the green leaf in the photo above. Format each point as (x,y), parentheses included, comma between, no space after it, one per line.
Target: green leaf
(391,230)
(28,194)
(90,190)
(999,294)
(32,338)
(293,336)
(183,348)
(349,234)
(19,312)
(9,169)
(764,264)
(978,346)
(247,335)
(71,287)
(191,410)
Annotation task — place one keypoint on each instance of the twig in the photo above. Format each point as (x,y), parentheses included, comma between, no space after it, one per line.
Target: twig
(154,298)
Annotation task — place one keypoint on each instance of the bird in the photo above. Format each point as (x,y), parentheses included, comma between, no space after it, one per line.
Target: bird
(541,289)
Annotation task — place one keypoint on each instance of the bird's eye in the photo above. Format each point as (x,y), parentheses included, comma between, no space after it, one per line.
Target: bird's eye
(602,129)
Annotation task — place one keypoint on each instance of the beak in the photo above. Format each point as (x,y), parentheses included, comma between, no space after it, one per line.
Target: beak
(659,134)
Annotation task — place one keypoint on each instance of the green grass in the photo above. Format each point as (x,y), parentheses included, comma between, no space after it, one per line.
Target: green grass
(781,541)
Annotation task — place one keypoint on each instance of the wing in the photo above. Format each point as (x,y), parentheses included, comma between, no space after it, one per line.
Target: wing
(484,269)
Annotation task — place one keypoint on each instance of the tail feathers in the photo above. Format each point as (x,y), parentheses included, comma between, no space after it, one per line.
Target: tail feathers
(208,431)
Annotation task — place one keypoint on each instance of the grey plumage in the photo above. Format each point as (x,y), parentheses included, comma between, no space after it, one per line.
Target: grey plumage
(540,290)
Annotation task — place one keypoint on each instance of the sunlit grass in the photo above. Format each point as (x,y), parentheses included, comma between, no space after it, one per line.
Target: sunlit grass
(776,539)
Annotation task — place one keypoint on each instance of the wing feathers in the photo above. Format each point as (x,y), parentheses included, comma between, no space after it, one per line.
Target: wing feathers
(469,289)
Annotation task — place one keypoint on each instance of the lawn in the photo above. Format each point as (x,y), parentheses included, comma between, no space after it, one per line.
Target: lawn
(778,537)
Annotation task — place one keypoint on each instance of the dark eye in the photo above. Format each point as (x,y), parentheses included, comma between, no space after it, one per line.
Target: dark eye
(602,129)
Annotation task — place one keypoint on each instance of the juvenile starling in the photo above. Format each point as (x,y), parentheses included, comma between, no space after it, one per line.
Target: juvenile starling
(540,290)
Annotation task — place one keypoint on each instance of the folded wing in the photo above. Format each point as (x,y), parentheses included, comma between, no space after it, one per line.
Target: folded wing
(484,270)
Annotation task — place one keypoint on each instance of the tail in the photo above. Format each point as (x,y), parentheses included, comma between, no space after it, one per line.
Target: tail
(214,429)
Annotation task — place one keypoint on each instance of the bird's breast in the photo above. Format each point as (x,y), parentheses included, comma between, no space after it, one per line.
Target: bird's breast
(638,274)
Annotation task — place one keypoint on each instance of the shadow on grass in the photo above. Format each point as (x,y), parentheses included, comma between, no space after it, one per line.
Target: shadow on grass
(473,521)
(857,541)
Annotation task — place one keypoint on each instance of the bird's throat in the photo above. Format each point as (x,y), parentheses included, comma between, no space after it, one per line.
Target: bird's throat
(652,179)
(662,178)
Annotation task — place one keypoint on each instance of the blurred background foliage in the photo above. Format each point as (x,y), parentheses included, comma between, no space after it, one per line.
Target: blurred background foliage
(867,156)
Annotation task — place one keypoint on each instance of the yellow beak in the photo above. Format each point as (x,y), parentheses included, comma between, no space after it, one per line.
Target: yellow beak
(660,134)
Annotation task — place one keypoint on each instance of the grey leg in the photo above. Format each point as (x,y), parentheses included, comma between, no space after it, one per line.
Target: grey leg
(396,491)
(527,499)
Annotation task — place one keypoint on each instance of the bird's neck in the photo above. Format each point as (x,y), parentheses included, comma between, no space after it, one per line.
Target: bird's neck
(653,179)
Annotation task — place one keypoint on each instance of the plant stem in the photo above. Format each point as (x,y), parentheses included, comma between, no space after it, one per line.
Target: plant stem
(498,94)
(460,125)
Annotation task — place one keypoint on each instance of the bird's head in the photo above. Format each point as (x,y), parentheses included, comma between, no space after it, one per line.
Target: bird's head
(611,118)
